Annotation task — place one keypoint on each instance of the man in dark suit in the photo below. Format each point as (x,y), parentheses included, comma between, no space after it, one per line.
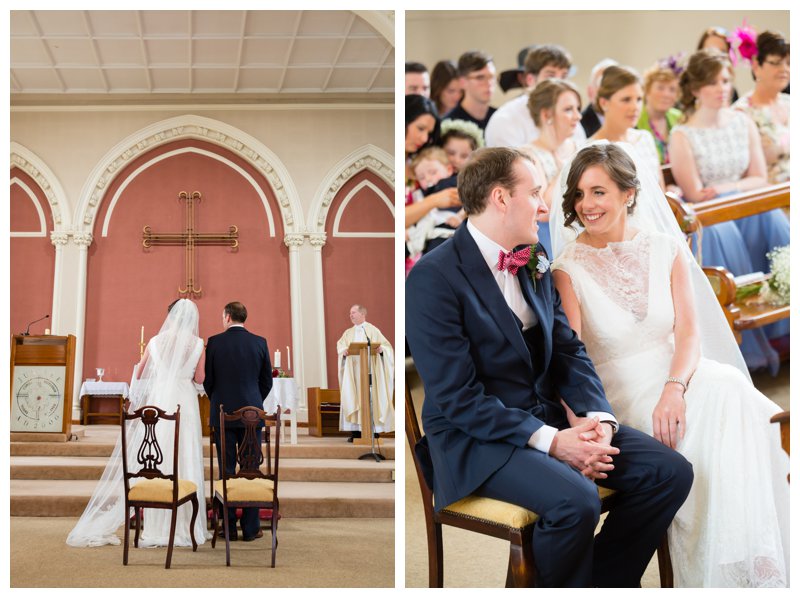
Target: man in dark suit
(496,353)
(238,374)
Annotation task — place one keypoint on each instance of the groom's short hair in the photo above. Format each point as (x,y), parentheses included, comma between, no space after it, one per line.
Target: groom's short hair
(236,311)
(486,169)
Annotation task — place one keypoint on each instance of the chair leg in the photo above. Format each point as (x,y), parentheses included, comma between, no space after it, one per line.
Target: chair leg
(274,531)
(435,556)
(127,534)
(214,522)
(665,564)
(137,522)
(227,536)
(195,508)
(172,523)
(521,569)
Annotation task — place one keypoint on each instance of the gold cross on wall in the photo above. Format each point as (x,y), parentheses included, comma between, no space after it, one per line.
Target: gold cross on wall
(190,239)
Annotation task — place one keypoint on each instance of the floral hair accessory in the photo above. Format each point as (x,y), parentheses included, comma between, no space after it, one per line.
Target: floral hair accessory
(464,126)
(673,63)
(743,40)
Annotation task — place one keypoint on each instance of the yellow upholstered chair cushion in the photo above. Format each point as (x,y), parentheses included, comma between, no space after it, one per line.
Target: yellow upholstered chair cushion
(499,512)
(242,489)
(160,490)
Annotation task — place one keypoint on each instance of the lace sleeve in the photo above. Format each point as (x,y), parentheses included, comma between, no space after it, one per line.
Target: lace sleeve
(564,264)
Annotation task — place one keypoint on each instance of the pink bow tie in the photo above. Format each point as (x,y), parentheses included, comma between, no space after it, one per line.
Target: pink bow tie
(513,260)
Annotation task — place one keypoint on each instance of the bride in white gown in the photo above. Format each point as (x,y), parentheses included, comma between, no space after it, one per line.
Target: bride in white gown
(163,378)
(670,367)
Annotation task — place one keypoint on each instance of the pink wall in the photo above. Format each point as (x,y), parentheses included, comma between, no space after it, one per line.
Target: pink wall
(32,260)
(129,286)
(358,270)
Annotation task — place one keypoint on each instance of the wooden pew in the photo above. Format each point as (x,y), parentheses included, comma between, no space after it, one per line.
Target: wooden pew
(691,217)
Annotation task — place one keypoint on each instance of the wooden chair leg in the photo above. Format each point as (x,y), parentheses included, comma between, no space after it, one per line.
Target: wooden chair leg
(127,534)
(521,568)
(215,523)
(227,535)
(435,556)
(195,508)
(172,523)
(665,564)
(137,522)
(274,531)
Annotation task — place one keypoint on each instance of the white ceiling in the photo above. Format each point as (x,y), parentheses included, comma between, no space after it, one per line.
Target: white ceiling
(201,52)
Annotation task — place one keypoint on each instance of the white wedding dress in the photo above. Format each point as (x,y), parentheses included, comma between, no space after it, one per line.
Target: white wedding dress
(733,529)
(165,382)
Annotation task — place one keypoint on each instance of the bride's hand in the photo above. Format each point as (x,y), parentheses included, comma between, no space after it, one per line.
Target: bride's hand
(669,416)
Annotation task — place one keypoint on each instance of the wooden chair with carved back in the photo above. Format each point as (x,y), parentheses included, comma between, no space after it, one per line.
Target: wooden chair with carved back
(486,515)
(692,217)
(255,483)
(155,489)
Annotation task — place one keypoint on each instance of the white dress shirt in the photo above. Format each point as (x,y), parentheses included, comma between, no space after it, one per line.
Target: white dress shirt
(542,438)
(512,126)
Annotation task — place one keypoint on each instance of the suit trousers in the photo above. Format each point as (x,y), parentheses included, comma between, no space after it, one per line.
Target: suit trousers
(233,437)
(652,480)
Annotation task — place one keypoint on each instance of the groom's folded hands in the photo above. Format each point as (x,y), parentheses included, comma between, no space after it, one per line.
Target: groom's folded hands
(586,447)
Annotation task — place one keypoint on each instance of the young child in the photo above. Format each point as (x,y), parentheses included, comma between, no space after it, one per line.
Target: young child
(459,139)
(434,173)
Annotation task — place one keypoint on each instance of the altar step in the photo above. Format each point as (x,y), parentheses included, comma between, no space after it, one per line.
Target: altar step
(320,477)
(291,470)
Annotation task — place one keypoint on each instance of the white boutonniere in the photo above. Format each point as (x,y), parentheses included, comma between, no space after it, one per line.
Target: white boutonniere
(538,264)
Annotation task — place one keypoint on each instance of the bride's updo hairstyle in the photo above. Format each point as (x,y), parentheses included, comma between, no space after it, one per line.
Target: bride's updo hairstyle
(702,70)
(615,77)
(617,164)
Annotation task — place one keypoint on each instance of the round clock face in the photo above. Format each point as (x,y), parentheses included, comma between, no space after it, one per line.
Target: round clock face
(38,399)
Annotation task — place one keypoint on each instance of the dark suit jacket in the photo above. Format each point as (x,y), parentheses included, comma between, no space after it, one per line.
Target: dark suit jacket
(238,371)
(590,121)
(486,392)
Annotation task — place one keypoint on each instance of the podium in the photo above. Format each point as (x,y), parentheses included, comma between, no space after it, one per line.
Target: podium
(41,387)
(361,351)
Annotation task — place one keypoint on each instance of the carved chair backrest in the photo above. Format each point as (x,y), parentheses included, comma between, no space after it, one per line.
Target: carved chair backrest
(149,454)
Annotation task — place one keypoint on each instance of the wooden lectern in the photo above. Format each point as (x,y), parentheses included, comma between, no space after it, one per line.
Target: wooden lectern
(41,387)
(362,352)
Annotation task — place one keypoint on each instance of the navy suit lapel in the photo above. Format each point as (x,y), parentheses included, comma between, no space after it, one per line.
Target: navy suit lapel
(478,275)
(535,298)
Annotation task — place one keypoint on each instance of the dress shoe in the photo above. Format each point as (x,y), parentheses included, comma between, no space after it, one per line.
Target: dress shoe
(234,535)
(260,534)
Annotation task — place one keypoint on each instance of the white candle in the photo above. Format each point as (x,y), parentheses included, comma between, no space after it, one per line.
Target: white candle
(47,332)
(141,336)
(288,358)
(276,363)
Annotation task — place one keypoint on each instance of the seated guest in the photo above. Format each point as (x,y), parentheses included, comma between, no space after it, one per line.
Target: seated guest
(512,125)
(445,86)
(350,416)
(619,100)
(476,74)
(659,114)
(417,79)
(591,121)
(767,106)
(555,106)
(717,151)
(434,173)
(718,38)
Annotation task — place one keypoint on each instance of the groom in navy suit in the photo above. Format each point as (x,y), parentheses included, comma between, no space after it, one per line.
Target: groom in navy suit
(238,374)
(496,355)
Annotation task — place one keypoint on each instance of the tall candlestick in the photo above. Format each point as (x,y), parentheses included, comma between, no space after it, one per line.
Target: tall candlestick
(141,337)
(277,361)
(288,358)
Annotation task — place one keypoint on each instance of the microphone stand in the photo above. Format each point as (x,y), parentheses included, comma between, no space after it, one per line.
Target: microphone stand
(28,328)
(372,454)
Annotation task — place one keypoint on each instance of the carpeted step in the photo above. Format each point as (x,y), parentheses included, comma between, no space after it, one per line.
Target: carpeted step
(68,498)
(300,470)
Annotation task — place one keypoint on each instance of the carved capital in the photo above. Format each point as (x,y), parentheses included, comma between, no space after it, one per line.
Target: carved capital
(82,239)
(318,240)
(294,240)
(58,238)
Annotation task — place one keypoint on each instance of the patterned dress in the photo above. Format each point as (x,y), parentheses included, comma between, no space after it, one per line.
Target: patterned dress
(774,134)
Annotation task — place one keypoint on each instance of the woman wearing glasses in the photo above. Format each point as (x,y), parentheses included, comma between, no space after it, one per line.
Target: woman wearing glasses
(767,105)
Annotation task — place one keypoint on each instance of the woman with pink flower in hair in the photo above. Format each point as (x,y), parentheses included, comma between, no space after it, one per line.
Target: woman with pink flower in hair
(717,151)
(766,104)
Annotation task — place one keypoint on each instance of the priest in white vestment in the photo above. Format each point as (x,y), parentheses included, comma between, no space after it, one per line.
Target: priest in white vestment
(349,376)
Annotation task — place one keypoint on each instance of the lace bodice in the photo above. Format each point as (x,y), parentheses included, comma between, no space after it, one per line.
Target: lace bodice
(774,134)
(721,154)
(542,157)
(624,292)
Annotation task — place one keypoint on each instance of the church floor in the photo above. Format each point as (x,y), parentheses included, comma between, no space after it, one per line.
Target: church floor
(311,553)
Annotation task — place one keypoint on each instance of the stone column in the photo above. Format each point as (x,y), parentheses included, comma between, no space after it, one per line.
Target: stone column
(83,241)
(294,241)
(59,239)
(318,241)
